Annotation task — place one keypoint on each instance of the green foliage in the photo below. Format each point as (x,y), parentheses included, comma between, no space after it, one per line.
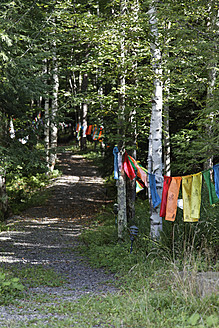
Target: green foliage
(24,192)
(145,298)
(159,285)
(10,288)
(38,275)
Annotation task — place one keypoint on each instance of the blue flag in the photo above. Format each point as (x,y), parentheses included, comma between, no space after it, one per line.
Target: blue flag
(116,166)
(154,195)
(216,178)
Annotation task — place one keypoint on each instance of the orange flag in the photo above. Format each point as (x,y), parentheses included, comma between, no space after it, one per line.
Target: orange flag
(172,198)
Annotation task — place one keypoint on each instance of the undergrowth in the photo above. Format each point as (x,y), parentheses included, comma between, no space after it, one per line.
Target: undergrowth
(10,287)
(158,285)
(26,191)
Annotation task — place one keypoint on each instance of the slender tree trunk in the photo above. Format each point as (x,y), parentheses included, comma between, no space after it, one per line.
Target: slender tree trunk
(54,112)
(155,139)
(122,215)
(46,117)
(84,110)
(166,130)
(3,195)
(131,184)
(3,142)
(212,74)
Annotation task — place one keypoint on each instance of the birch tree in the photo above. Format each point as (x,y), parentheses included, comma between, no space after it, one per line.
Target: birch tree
(54,110)
(122,215)
(155,138)
(212,25)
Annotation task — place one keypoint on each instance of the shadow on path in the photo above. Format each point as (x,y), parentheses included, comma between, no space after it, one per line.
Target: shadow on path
(48,235)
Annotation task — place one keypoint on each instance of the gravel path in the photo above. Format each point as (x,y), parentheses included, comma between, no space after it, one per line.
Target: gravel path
(48,236)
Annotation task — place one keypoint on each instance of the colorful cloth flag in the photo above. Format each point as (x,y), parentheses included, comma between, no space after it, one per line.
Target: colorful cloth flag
(166,184)
(139,186)
(191,191)
(100,133)
(89,130)
(216,178)
(95,133)
(141,172)
(116,166)
(172,197)
(154,195)
(128,168)
(78,130)
(213,199)
(78,126)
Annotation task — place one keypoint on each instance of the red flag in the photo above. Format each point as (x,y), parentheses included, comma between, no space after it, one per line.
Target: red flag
(128,167)
(163,205)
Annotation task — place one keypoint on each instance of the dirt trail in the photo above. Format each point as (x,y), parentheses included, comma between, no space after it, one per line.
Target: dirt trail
(48,235)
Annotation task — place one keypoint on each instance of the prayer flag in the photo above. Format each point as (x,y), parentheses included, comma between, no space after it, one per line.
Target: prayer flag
(216,178)
(89,129)
(141,172)
(100,133)
(172,198)
(166,184)
(128,167)
(191,191)
(211,188)
(139,186)
(95,133)
(154,195)
(116,166)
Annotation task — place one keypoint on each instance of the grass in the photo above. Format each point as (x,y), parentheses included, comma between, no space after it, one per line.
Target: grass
(38,275)
(158,285)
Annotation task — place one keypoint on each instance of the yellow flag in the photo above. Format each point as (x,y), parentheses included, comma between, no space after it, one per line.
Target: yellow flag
(191,190)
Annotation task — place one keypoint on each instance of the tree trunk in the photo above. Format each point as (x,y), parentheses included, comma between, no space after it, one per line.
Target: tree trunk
(166,131)
(212,74)
(131,184)
(3,195)
(84,110)
(155,139)
(54,112)
(46,118)
(122,215)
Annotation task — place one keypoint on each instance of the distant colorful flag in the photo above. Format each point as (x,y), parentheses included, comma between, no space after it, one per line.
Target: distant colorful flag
(89,130)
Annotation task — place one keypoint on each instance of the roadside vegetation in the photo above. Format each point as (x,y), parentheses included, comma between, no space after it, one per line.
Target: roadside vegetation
(159,284)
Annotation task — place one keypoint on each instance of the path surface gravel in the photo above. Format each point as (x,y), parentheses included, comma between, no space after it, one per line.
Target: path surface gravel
(48,236)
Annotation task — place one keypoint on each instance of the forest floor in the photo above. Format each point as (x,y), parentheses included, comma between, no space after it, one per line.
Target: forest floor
(42,245)
(43,249)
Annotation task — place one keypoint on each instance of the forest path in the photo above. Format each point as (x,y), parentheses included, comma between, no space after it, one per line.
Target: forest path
(46,238)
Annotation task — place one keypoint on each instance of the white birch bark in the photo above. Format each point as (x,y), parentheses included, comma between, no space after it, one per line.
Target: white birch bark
(121,187)
(166,130)
(54,112)
(84,110)
(155,140)
(213,23)
(46,118)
